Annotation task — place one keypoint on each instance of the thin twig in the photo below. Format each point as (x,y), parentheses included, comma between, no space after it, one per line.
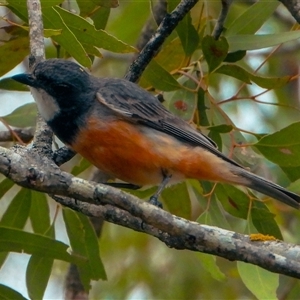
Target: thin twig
(167,25)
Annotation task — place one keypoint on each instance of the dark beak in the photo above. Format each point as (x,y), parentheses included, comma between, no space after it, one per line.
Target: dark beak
(25,79)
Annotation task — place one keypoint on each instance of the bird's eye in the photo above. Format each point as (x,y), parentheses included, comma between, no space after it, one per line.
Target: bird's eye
(62,87)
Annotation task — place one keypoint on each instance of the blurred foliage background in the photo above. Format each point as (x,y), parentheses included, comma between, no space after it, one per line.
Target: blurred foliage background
(244,94)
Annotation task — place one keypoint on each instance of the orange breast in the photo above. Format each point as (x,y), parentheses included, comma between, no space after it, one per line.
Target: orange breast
(139,155)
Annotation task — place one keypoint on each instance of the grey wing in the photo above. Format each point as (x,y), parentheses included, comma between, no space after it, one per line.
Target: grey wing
(138,106)
(129,101)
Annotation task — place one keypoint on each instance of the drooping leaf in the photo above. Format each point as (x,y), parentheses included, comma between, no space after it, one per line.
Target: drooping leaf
(84,242)
(5,185)
(264,221)
(188,35)
(18,49)
(183,104)
(89,7)
(67,39)
(87,34)
(209,263)
(245,76)
(159,77)
(234,200)
(212,214)
(253,18)
(270,82)
(282,147)
(40,214)
(80,167)
(100,17)
(53,21)
(8,293)
(221,128)
(262,283)
(37,275)
(214,51)
(15,240)
(234,71)
(172,56)
(17,212)
(235,56)
(176,197)
(254,42)
(22,116)
(201,107)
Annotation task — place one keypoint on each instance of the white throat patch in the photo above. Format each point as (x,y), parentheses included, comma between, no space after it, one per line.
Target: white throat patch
(46,104)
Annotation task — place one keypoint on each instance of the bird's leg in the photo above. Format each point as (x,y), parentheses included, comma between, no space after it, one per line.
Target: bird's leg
(154,199)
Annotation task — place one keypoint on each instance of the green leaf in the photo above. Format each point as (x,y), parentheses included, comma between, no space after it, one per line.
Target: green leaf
(172,56)
(17,212)
(293,173)
(81,167)
(176,198)
(5,185)
(235,56)
(253,42)
(67,39)
(183,104)
(253,18)
(40,214)
(245,76)
(161,79)
(221,128)
(201,107)
(87,34)
(37,275)
(234,201)
(214,51)
(262,283)
(129,26)
(84,242)
(209,263)
(18,49)
(235,72)
(22,116)
(270,82)
(216,137)
(16,240)
(88,8)
(282,147)
(100,17)
(264,221)
(7,293)
(212,214)
(188,35)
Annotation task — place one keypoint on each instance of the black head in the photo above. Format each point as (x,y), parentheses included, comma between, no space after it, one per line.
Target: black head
(59,78)
(63,93)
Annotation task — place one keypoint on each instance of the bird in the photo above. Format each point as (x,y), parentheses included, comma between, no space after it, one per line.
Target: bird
(127,132)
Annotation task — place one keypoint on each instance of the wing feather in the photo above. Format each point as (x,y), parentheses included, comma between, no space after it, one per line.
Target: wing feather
(138,106)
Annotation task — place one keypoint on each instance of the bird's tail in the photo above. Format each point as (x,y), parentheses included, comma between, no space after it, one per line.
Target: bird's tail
(271,189)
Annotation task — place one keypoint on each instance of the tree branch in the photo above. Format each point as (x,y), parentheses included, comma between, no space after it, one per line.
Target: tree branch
(43,134)
(165,28)
(159,12)
(293,7)
(28,169)
(25,134)
(221,19)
